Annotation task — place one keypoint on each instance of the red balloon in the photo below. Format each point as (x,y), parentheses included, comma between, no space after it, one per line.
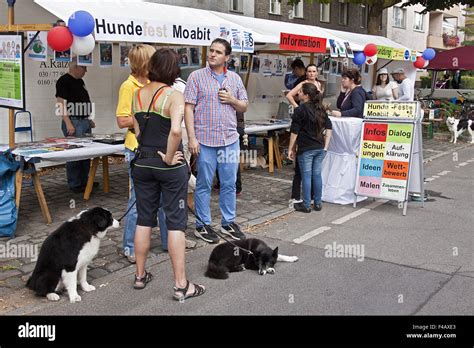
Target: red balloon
(60,39)
(370,50)
(420,62)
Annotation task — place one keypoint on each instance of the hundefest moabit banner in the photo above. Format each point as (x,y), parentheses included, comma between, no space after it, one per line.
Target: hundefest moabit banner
(136,30)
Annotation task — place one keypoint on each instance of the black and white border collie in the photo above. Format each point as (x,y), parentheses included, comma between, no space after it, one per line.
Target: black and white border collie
(228,258)
(457,127)
(66,253)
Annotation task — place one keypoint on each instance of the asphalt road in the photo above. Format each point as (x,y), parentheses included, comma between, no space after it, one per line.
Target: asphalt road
(418,264)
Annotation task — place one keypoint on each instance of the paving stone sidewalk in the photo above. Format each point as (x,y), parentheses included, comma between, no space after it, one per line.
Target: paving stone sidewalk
(264,197)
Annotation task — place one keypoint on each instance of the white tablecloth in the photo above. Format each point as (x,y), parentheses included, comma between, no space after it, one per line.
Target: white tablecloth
(88,150)
(340,164)
(261,127)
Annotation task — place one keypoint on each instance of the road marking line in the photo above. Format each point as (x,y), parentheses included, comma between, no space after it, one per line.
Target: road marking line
(359,212)
(463,164)
(311,234)
(444,172)
(377,203)
(429,179)
(435,176)
(350,216)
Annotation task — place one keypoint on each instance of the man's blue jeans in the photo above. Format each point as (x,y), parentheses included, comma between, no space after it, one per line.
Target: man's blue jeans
(226,159)
(311,164)
(131,218)
(78,171)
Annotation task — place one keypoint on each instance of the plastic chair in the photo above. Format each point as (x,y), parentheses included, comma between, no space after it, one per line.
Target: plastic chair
(25,128)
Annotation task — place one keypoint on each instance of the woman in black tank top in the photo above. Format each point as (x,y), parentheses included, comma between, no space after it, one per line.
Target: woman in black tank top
(160,170)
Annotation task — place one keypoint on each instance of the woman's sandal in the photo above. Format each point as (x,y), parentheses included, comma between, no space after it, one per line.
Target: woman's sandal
(140,282)
(198,291)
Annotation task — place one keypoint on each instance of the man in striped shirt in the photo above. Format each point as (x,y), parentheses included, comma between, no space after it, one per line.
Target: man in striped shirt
(213,95)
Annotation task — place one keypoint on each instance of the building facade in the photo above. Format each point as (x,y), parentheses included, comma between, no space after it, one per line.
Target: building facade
(436,29)
(243,7)
(339,14)
(443,30)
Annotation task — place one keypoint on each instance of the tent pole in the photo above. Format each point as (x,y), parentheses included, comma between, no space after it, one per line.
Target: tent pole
(250,66)
(11,112)
(204,56)
(311,58)
(434,75)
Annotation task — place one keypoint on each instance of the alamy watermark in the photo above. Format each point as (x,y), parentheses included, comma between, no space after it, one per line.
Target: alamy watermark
(335,250)
(84,108)
(23,251)
(242,156)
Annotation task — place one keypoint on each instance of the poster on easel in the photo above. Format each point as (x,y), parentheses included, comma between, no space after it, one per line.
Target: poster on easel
(12,74)
(391,136)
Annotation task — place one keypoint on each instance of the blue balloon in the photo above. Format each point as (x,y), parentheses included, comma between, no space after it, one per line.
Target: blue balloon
(81,23)
(429,54)
(359,58)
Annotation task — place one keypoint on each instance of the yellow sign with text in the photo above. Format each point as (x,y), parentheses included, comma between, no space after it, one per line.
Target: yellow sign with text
(399,110)
(384,52)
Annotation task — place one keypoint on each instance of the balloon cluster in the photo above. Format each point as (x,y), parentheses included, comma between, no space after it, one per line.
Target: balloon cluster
(77,36)
(368,56)
(423,60)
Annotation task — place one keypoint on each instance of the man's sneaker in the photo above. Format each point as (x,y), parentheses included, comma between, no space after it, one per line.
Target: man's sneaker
(318,207)
(206,233)
(302,208)
(233,231)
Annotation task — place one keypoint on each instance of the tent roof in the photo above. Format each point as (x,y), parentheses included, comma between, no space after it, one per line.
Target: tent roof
(264,31)
(460,58)
(272,29)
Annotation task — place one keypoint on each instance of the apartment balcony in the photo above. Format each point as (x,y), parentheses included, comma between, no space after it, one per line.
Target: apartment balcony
(443,42)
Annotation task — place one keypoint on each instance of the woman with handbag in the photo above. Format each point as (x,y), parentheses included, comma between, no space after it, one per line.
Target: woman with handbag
(160,171)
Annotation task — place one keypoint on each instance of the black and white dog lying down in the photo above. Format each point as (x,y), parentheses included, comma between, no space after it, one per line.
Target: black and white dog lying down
(228,258)
(66,253)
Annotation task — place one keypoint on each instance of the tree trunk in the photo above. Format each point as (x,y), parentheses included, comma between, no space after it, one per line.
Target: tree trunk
(375,14)
(375,18)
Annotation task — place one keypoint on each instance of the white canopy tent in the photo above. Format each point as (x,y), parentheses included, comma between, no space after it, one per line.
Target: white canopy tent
(104,83)
(264,31)
(271,32)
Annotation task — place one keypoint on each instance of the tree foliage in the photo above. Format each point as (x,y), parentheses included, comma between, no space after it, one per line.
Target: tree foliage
(468,28)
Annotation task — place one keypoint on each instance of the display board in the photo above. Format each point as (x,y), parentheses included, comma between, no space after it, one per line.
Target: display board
(389,135)
(12,77)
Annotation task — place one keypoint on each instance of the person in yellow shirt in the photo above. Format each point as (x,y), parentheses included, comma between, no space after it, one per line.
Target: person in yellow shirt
(138,59)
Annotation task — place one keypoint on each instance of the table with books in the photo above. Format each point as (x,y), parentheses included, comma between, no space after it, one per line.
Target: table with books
(96,148)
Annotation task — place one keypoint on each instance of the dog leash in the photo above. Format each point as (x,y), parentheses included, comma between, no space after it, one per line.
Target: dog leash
(128,211)
(199,219)
(219,234)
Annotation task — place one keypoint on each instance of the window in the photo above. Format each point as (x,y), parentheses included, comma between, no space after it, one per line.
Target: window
(298,9)
(274,7)
(236,5)
(343,12)
(363,16)
(450,25)
(399,15)
(418,22)
(325,13)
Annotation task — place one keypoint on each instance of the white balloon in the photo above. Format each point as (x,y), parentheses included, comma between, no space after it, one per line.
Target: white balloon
(426,63)
(83,45)
(371,60)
